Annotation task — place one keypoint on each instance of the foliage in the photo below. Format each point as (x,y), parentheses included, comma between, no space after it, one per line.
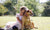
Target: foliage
(40,9)
(3,9)
(31,4)
(47,9)
(14,2)
(11,9)
(13,6)
(18,5)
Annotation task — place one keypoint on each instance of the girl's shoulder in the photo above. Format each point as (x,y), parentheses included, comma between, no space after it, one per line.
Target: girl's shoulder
(17,14)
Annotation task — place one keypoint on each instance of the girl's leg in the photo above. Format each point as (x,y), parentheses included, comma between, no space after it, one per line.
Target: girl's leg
(18,24)
(15,28)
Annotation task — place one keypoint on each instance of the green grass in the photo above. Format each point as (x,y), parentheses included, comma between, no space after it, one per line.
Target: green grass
(43,23)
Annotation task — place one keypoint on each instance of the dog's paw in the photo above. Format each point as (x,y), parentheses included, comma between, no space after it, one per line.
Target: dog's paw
(36,27)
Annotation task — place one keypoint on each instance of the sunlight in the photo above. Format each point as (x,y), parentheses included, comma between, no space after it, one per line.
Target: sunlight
(42,1)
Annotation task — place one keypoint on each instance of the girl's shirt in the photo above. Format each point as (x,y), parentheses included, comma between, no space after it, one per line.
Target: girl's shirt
(20,17)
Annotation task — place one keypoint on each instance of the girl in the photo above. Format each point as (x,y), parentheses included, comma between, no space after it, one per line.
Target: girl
(19,17)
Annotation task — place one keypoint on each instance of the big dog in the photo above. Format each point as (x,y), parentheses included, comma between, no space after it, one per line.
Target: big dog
(26,23)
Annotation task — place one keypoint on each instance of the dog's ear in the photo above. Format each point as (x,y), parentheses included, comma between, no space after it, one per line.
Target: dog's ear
(31,12)
(28,11)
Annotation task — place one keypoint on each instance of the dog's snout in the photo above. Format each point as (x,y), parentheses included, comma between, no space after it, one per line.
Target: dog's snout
(31,13)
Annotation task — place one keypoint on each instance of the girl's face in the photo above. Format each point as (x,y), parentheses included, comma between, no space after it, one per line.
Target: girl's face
(23,11)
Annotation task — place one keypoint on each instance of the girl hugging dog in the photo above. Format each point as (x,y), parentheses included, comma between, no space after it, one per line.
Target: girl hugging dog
(19,17)
(23,19)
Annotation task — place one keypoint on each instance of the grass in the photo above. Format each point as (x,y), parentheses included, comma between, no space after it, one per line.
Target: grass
(43,23)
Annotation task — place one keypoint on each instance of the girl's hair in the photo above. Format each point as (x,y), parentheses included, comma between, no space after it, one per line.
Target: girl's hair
(23,8)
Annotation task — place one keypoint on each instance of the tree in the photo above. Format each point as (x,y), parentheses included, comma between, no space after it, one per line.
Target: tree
(9,6)
(31,4)
(46,11)
(3,9)
(18,5)
(14,2)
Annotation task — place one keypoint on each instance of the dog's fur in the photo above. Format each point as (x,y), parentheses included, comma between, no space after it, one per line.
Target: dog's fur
(26,23)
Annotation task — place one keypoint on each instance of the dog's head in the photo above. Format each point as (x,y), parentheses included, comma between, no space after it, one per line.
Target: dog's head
(28,13)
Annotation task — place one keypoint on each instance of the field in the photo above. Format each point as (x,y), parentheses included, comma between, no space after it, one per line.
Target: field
(43,23)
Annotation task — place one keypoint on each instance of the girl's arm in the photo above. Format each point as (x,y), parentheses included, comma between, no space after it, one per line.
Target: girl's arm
(18,19)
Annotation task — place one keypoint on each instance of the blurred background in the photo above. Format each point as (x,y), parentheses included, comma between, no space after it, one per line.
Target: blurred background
(40,8)
(11,7)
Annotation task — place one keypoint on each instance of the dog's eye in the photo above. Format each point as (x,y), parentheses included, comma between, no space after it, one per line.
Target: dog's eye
(28,11)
